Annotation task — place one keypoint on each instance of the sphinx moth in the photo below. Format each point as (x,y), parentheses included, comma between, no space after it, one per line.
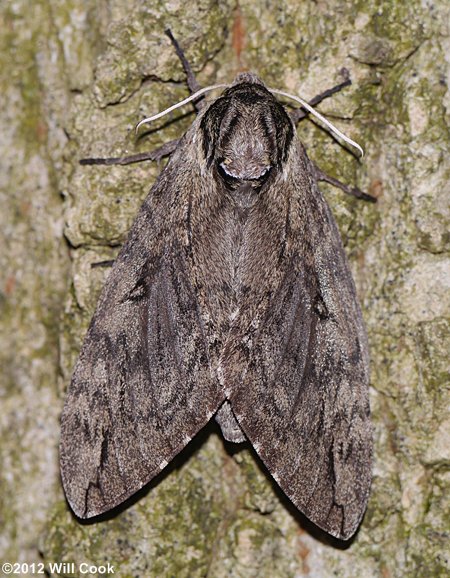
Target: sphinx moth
(232,298)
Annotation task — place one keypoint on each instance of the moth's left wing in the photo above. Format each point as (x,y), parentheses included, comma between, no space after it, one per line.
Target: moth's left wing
(142,386)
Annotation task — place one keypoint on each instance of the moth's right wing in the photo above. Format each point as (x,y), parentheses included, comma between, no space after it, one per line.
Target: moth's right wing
(142,386)
(298,373)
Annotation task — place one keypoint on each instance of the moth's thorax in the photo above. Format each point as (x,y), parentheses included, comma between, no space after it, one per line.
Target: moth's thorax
(246,135)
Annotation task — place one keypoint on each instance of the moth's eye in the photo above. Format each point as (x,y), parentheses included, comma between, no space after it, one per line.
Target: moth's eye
(226,167)
(226,171)
(265,171)
(244,169)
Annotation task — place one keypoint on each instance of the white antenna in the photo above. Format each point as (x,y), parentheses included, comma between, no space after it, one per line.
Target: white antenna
(320,117)
(181,103)
(273,91)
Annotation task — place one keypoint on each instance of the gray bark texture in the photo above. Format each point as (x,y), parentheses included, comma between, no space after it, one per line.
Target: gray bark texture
(75,78)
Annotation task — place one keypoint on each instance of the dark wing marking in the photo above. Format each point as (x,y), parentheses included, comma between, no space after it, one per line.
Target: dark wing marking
(302,399)
(142,386)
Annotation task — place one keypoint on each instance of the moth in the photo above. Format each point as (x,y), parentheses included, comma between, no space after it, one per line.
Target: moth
(231,299)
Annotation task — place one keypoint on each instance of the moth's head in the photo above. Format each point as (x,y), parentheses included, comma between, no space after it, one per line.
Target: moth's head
(246,133)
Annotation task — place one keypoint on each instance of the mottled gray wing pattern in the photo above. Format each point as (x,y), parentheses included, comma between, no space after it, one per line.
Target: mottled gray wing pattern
(302,395)
(142,386)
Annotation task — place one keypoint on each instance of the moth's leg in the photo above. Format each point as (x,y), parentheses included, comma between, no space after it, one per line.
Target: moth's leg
(353,191)
(167,148)
(156,155)
(191,80)
(108,263)
(300,113)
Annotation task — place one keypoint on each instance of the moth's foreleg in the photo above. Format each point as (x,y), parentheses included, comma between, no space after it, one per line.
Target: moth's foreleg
(167,148)
(193,85)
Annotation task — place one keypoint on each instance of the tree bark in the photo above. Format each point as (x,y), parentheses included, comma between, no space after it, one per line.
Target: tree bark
(75,79)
